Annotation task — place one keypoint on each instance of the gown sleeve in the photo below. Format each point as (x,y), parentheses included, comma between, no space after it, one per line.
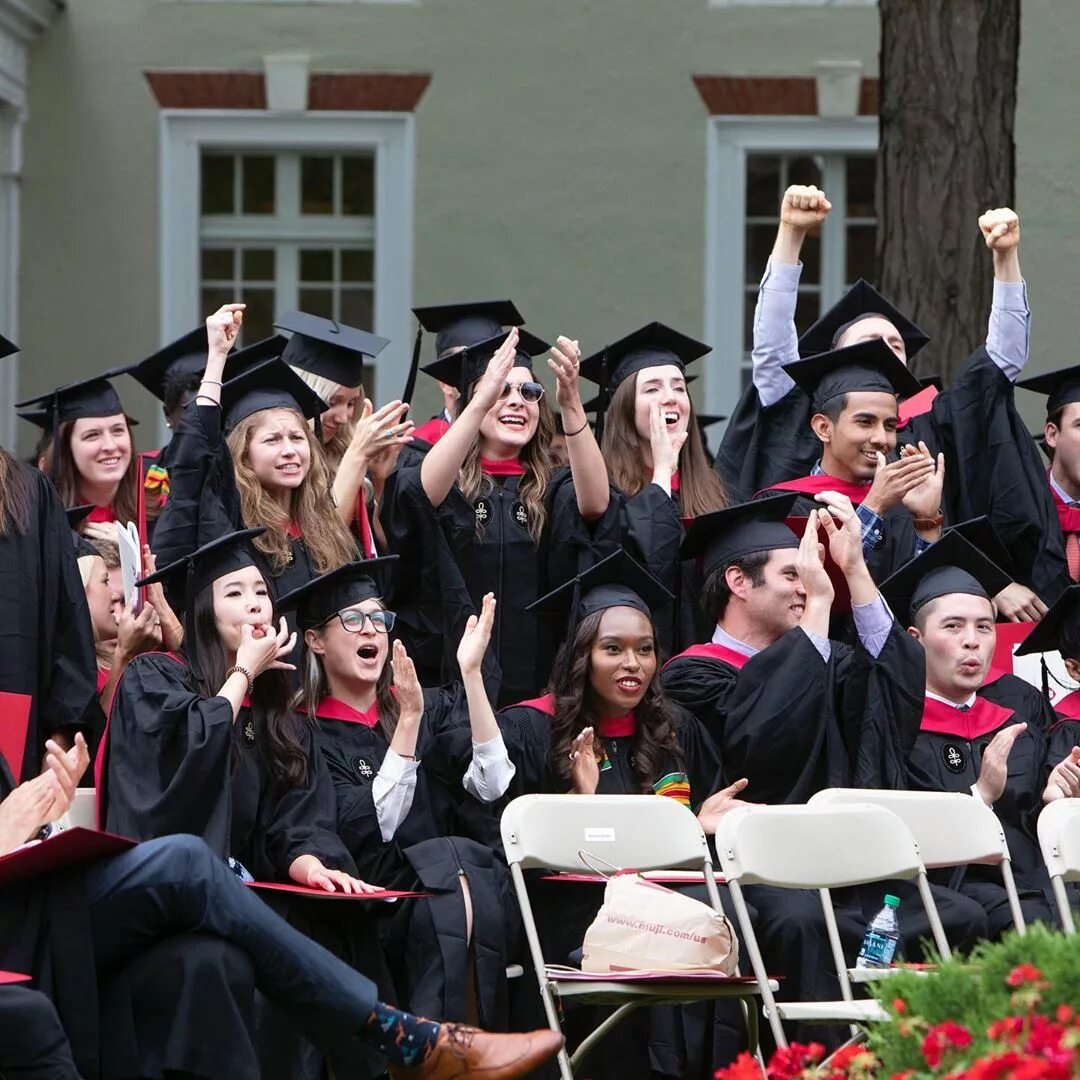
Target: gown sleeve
(168,756)
(525,732)
(699,685)
(701,756)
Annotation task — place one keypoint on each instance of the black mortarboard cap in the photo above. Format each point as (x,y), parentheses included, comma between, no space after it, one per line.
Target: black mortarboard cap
(936,381)
(980,533)
(462,325)
(90,398)
(184,356)
(1060,387)
(328,348)
(617,581)
(270,385)
(952,565)
(651,346)
(463,368)
(7,348)
(321,598)
(860,300)
(76,515)
(868,366)
(1059,628)
(724,536)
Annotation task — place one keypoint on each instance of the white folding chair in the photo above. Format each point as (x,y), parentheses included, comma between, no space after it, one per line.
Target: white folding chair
(950,828)
(818,847)
(639,831)
(1059,837)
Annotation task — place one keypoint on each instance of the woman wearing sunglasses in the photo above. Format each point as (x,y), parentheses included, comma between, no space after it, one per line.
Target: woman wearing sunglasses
(407,770)
(503,522)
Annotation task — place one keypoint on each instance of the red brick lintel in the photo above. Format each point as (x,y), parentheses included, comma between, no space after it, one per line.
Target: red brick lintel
(732,95)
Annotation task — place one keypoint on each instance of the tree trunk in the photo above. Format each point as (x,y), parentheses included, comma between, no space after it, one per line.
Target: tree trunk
(948,110)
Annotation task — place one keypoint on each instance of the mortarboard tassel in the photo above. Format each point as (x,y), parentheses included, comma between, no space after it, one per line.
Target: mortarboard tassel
(414,366)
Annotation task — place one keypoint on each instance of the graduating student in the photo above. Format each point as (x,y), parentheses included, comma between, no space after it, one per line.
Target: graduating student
(244,457)
(854,391)
(484,511)
(656,461)
(942,720)
(379,733)
(73,926)
(48,650)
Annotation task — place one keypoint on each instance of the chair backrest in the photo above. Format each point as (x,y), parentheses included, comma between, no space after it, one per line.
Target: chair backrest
(1059,837)
(815,847)
(951,829)
(83,810)
(643,832)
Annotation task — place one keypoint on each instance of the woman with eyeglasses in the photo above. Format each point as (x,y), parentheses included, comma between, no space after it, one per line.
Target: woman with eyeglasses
(504,523)
(406,765)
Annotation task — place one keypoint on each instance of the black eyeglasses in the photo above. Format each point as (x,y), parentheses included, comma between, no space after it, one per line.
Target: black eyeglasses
(382,622)
(529,391)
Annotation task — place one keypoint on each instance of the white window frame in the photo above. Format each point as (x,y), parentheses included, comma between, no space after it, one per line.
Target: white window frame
(792,3)
(185,133)
(730,139)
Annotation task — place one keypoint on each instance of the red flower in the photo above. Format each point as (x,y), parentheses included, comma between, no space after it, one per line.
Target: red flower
(790,1062)
(744,1067)
(942,1037)
(1023,973)
(1064,1014)
(995,1067)
(902,1075)
(1044,1036)
(1008,1029)
(899,1006)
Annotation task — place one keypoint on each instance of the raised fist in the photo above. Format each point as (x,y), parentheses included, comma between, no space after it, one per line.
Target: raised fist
(1000,229)
(804,207)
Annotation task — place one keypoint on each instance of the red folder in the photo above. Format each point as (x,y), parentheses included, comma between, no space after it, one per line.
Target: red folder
(322,894)
(14,721)
(70,848)
(9,977)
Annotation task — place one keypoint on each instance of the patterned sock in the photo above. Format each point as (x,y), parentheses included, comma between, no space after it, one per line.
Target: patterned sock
(402,1038)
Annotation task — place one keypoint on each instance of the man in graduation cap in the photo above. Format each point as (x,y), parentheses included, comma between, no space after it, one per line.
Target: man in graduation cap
(854,392)
(939,717)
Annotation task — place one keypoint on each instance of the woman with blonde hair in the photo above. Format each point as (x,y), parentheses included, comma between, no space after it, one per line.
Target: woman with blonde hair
(485,496)
(655,457)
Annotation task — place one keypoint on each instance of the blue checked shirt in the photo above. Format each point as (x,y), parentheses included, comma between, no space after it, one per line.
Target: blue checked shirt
(873,526)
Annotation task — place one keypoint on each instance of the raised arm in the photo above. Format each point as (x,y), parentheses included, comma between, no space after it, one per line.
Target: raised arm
(586,462)
(776,341)
(442,463)
(1008,333)
(374,431)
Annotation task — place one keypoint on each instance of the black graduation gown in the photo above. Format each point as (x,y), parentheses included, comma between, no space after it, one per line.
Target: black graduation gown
(426,938)
(46,644)
(176,763)
(462,564)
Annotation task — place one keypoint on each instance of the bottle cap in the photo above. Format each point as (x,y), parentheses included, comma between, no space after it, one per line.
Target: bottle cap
(892,901)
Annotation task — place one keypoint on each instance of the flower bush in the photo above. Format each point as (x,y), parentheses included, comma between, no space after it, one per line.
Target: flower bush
(1009,1011)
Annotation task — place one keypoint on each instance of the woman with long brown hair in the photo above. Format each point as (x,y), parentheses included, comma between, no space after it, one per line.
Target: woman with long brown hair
(486,494)
(656,460)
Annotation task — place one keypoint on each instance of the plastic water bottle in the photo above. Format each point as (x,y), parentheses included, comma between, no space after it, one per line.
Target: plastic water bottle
(881,938)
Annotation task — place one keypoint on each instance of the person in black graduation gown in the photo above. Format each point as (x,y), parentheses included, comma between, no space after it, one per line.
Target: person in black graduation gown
(485,500)
(71,927)
(47,650)
(388,745)
(656,462)
(941,719)
(244,457)
(992,469)
(456,327)
(854,392)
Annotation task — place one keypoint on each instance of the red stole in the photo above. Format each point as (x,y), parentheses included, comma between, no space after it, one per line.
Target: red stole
(332,708)
(510,467)
(102,678)
(363,527)
(675,484)
(102,515)
(916,405)
(432,431)
(1069,706)
(984,716)
(617,727)
(713,652)
(1068,516)
(815,485)
(544,704)
(293,531)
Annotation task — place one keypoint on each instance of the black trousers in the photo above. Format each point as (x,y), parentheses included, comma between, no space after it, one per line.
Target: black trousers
(33,1045)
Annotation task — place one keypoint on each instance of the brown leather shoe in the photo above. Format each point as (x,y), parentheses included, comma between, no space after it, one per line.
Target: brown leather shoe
(467,1051)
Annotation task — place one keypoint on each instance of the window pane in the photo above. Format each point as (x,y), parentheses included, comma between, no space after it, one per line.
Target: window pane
(811,258)
(762,185)
(213,298)
(759,242)
(861,178)
(316,265)
(804,170)
(258,264)
(318,302)
(357,265)
(259,316)
(217,184)
(358,185)
(356,307)
(258,185)
(807,310)
(860,252)
(316,185)
(216,264)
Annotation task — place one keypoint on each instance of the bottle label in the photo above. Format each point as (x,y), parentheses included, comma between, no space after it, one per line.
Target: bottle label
(878,948)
